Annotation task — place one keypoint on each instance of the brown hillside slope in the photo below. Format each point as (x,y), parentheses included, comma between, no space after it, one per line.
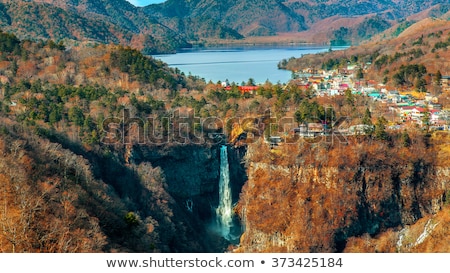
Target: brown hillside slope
(320,197)
(56,201)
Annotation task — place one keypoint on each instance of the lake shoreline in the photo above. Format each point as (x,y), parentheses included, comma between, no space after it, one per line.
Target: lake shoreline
(282,38)
(238,63)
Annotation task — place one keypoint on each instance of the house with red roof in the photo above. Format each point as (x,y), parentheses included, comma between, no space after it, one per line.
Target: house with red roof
(248,89)
(418,112)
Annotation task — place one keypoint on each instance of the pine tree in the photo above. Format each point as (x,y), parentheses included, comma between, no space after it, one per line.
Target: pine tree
(438,78)
(380,129)
(367,119)
(360,74)
(406,140)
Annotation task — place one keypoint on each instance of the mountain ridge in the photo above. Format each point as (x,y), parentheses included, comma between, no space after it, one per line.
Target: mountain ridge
(270,18)
(171,25)
(117,22)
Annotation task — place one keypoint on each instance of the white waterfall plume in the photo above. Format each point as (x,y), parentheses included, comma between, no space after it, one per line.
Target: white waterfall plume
(224,211)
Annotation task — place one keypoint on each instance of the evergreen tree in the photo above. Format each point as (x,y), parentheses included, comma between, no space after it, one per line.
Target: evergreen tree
(426,120)
(360,74)
(349,98)
(438,78)
(55,115)
(367,119)
(406,140)
(380,129)
(420,84)
(76,116)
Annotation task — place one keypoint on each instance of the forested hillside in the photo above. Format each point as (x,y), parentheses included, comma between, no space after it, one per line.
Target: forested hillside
(93,21)
(338,22)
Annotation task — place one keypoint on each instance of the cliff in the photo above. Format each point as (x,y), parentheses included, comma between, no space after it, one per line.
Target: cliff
(318,197)
(192,174)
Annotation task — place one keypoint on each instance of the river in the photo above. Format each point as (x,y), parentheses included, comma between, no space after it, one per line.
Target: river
(238,64)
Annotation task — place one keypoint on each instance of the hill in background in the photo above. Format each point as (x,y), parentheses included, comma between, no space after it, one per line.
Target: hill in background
(342,22)
(98,21)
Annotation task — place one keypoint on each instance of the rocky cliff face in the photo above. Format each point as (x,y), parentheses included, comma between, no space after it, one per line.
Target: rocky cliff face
(314,198)
(190,170)
(192,174)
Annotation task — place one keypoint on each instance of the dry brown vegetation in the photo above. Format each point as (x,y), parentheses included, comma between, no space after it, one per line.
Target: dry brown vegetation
(435,239)
(57,199)
(42,197)
(353,197)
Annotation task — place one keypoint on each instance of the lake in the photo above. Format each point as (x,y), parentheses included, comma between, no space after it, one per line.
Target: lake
(238,64)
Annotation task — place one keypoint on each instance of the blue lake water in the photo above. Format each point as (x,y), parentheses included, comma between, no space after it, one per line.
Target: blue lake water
(238,64)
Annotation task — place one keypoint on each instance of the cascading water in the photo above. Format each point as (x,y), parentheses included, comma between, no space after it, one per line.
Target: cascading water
(224,211)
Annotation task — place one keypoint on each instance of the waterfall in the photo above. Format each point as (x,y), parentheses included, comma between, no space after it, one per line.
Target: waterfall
(224,211)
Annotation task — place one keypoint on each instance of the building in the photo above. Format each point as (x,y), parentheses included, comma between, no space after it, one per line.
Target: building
(248,89)
(445,83)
